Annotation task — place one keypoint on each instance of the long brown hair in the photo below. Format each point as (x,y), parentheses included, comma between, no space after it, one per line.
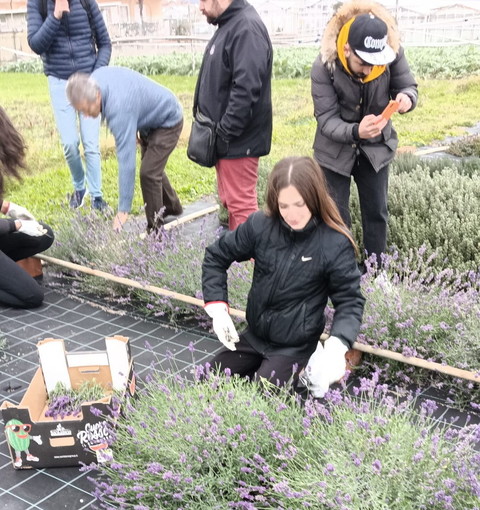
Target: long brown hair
(12,150)
(307,177)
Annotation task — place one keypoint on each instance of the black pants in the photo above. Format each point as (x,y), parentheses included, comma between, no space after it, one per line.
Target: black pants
(17,287)
(372,193)
(247,362)
(156,188)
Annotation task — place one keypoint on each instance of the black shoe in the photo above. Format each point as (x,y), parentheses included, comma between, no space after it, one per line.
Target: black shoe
(77,198)
(99,204)
(174,212)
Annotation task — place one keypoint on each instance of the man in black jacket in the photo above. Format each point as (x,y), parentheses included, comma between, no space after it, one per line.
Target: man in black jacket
(361,67)
(234,90)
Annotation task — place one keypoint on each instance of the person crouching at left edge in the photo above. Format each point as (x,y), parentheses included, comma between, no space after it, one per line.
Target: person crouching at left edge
(304,255)
(21,236)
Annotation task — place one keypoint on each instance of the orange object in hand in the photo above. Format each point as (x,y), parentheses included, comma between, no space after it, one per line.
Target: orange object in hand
(390,109)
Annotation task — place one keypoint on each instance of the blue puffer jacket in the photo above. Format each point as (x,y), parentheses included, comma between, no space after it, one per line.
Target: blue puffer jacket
(67,45)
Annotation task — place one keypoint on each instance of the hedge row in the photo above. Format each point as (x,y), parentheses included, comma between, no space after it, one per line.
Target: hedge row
(452,62)
(433,203)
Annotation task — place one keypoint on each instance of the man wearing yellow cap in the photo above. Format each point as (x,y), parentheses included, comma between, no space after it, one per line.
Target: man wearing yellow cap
(361,67)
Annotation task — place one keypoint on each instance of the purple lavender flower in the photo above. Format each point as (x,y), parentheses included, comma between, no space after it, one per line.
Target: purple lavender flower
(377,466)
(95,411)
(329,469)
(154,468)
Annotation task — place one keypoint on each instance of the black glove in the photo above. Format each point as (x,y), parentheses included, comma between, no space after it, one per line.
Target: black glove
(221,147)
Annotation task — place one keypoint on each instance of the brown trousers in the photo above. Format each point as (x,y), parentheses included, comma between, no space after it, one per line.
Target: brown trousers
(156,188)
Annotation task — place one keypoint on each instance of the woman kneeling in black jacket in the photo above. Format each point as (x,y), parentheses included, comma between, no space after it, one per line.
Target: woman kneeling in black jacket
(304,255)
(21,236)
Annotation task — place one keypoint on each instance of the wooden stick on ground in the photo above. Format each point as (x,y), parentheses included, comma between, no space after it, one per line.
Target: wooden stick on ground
(418,362)
(422,152)
(429,365)
(190,217)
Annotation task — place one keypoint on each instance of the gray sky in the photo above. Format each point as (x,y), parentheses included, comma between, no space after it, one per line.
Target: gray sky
(420,5)
(430,4)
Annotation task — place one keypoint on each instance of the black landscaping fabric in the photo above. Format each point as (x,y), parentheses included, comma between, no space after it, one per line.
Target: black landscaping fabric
(83,326)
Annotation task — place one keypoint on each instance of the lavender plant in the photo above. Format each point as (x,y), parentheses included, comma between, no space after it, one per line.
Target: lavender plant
(417,311)
(371,451)
(63,401)
(170,260)
(222,442)
(421,311)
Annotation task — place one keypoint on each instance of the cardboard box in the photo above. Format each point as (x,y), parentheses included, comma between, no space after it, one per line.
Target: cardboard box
(37,441)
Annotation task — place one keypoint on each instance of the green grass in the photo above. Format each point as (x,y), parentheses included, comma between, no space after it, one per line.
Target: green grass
(445,108)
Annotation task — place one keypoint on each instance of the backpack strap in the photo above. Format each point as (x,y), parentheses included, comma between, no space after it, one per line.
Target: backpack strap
(86,5)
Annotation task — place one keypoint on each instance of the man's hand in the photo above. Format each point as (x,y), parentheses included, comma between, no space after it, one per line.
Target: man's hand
(119,221)
(31,228)
(404,102)
(17,212)
(371,126)
(61,6)
(222,324)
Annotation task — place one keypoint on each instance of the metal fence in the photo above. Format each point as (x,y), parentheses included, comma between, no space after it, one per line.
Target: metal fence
(289,25)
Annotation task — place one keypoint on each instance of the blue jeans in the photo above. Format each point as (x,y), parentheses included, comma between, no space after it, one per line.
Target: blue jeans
(66,120)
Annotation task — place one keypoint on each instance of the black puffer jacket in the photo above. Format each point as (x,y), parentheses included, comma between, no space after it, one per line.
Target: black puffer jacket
(295,274)
(234,86)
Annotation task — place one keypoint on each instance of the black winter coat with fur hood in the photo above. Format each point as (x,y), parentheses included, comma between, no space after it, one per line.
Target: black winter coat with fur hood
(341,100)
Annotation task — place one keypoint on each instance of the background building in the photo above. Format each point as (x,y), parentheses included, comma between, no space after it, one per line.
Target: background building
(152,27)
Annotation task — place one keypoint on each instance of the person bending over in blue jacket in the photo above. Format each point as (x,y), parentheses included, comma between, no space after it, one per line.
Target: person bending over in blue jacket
(304,255)
(21,236)
(135,107)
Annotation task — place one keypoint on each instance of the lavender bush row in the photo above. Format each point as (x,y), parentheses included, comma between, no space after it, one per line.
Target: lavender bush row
(417,310)
(221,442)
(413,309)
(170,261)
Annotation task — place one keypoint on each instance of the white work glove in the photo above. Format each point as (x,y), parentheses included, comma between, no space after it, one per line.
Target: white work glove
(326,366)
(31,228)
(222,323)
(17,212)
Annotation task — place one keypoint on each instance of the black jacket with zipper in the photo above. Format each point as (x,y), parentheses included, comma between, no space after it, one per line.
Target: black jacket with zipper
(235,83)
(295,273)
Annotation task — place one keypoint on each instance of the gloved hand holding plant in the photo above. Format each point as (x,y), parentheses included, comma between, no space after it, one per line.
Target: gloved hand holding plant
(222,323)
